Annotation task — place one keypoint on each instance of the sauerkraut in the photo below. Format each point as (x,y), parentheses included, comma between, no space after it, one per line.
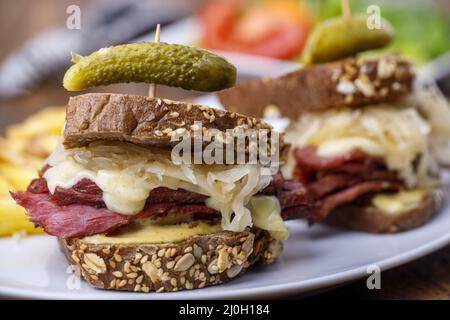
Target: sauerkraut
(126,173)
(401,134)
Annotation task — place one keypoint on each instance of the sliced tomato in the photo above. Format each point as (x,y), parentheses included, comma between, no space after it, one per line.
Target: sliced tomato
(271,28)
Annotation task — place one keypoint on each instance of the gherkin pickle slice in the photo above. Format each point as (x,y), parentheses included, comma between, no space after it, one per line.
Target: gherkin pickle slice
(342,37)
(160,63)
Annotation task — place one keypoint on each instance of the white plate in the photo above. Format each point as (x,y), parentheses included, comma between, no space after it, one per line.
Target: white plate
(313,258)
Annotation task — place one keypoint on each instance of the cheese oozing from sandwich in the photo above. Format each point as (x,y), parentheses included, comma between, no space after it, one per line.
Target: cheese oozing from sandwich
(127,173)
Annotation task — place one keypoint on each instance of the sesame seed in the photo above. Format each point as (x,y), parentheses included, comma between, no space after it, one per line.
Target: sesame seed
(137,257)
(161,252)
(173,282)
(137,288)
(122,283)
(134,268)
(132,275)
(348,99)
(112,264)
(144,259)
(345,87)
(117,274)
(126,266)
(75,258)
(117,257)
(159,290)
(106,250)
(112,284)
(147,289)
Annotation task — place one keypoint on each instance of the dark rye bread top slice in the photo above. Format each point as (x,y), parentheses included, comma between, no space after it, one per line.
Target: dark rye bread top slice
(349,82)
(142,120)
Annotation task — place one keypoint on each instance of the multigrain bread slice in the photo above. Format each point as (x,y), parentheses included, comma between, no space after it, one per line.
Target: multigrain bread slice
(345,83)
(374,220)
(143,120)
(197,262)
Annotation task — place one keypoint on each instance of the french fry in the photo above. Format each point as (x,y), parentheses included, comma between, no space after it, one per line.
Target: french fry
(18,177)
(49,121)
(5,186)
(22,154)
(14,219)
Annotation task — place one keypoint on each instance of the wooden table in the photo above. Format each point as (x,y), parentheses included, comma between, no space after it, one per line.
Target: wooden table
(426,278)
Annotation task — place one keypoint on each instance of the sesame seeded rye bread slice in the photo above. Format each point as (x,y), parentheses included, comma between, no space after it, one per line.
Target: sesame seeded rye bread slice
(142,120)
(371,219)
(197,262)
(349,82)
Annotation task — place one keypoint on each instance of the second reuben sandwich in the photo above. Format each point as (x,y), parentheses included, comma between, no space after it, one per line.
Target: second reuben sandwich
(366,144)
(133,216)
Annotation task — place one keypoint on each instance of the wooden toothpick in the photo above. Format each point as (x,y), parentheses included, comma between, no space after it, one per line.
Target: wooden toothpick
(152,87)
(346,10)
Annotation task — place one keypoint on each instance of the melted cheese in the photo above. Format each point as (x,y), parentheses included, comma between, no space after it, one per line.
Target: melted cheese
(336,147)
(266,215)
(400,135)
(146,232)
(127,173)
(402,201)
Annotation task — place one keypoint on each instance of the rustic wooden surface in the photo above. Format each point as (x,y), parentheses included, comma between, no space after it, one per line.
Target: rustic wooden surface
(426,278)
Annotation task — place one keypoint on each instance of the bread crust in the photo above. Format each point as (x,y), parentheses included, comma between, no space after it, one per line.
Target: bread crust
(373,220)
(200,261)
(346,83)
(142,120)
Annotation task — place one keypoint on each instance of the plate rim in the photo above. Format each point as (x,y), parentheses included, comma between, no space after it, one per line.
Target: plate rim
(274,291)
